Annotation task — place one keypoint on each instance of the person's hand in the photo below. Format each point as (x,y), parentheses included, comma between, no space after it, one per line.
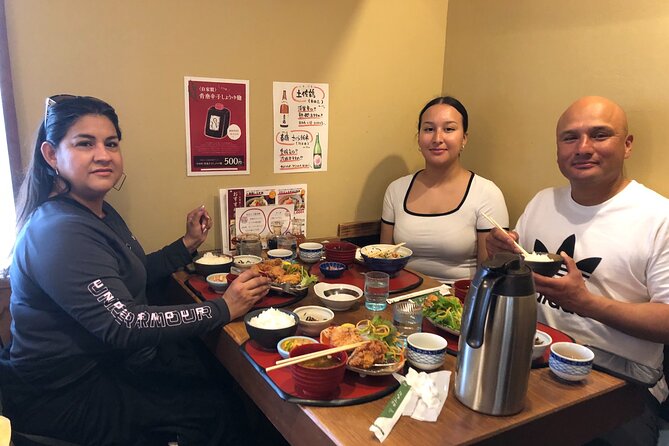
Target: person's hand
(568,291)
(245,291)
(198,224)
(501,241)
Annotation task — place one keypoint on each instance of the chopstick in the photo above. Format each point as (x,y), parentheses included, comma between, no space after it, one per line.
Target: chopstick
(492,220)
(443,289)
(296,360)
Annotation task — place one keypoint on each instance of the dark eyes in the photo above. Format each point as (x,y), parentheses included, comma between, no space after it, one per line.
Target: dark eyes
(88,143)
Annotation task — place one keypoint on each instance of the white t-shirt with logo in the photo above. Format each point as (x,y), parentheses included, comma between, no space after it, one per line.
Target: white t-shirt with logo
(622,249)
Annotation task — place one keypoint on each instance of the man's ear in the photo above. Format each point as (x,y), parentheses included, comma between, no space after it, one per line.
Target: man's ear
(628,145)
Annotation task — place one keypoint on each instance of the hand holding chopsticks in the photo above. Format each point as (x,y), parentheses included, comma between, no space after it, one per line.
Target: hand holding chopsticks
(296,360)
(497,225)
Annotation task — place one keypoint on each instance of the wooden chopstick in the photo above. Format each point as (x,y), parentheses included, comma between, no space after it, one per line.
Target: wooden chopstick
(492,220)
(291,361)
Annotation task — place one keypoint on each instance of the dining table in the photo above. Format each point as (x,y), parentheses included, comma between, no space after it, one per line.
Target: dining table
(555,411)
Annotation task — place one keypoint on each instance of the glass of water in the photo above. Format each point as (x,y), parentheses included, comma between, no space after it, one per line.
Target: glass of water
(376,290)
(407,318)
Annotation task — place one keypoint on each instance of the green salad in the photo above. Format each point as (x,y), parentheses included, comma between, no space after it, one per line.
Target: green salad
(443,310)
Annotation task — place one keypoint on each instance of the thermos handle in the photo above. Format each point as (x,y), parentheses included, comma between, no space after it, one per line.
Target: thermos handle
(480,311)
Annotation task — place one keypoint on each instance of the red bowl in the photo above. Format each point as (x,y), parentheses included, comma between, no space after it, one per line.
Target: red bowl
(317,383)
(231,277)
(343,252)
(460,288)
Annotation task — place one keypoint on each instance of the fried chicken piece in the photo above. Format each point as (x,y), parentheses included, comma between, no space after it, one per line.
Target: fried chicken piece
(292,279)
(365,356)
(344,335)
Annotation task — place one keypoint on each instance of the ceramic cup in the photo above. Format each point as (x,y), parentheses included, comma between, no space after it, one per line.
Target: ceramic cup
(426,351)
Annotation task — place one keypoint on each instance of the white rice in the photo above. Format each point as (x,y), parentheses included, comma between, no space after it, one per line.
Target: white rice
(537,257)
(272,319)
(210,258)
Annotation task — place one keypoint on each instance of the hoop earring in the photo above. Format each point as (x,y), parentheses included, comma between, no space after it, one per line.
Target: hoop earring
(118,186)
(57,173)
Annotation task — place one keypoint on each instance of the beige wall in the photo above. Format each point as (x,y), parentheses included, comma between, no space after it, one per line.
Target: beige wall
(517,65)
(382,58)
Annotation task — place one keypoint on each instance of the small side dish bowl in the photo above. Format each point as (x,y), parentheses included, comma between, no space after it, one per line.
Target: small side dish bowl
(332,270)
(343,252)
(246,261)
(218,282)
(212,263)
(426,351)
(285,345)
(318,379)
(269,328)
(310,252)
(338,296)
(569,361)
(541,342)
(392,264)
(544,263)
(283,254)
(313,319)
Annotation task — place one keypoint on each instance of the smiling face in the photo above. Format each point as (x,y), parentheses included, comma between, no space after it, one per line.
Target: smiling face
(89,157)
(592,144)
(441,136)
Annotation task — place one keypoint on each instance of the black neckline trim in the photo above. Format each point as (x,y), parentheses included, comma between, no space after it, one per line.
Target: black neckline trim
(457,208)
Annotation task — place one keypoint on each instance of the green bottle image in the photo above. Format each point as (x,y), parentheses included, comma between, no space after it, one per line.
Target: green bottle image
(318,154)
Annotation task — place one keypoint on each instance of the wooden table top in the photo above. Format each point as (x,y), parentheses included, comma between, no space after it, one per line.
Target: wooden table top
(556,412)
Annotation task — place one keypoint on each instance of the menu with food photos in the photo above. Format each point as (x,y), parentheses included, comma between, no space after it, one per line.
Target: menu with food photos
(255,209)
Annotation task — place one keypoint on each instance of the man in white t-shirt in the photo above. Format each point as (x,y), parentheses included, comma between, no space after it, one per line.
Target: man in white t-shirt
(613,234)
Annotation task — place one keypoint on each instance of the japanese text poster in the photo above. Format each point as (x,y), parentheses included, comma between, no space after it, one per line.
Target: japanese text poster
(300,127)
(217,126)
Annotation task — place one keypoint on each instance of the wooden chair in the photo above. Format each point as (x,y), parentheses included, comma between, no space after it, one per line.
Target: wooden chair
(360,233)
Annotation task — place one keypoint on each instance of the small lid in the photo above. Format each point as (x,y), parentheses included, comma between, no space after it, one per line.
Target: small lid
(219,106)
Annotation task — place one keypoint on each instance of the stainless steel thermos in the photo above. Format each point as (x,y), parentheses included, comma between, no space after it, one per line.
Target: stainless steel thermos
(496,337)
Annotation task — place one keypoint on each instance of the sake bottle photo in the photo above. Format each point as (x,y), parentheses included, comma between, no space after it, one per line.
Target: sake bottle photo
(283,110)
(318,153)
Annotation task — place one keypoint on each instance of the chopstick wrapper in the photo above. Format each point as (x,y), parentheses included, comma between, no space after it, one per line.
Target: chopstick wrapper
(392,412)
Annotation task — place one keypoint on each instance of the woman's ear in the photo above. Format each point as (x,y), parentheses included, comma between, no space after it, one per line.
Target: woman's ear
(49,154)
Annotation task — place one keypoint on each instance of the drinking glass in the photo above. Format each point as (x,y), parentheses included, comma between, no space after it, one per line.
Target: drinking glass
(376,290)
(407,318)
(249,243)
(287,241)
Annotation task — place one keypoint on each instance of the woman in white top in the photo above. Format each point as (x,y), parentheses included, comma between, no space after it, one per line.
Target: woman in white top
(438,211)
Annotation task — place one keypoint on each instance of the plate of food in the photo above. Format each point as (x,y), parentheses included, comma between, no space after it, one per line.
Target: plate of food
(289,278)
(444,312)
(256,201)
(383,355)
(292,199)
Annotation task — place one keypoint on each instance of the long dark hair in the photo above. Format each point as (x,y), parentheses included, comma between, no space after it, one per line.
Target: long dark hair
(448,100)
(61,112)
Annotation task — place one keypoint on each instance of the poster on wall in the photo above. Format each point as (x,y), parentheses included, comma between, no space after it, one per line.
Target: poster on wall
(300,127)
(257,209)
(217,126)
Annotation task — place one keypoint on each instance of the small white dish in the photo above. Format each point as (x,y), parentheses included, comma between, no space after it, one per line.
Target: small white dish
(313,319)
(541,342)
(283,254)
(218,282)
(245,261)
(338,296)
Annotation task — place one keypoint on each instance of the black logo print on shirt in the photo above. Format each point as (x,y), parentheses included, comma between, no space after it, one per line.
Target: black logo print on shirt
(586,266)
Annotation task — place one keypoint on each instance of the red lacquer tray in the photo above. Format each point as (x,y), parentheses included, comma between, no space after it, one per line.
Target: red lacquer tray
(353,390)
(453,340)
(402,282)
(200,287)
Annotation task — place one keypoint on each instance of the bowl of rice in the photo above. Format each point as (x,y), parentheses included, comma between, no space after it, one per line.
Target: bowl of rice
(212,263)
(267,326)
(543,263)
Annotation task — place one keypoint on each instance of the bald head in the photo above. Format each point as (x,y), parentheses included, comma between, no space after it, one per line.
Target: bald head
(594,106)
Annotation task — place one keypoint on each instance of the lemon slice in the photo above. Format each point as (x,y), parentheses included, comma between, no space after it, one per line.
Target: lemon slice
(348,325)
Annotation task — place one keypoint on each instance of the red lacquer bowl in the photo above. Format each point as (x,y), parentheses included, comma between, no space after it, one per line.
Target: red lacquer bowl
(318,383)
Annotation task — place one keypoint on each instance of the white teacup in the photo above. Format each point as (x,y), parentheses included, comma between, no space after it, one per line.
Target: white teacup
(569,361)
(426,351)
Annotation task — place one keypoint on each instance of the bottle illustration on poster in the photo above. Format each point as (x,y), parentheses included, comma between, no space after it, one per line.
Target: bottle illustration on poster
(318,153)
(284,110)
(218,121)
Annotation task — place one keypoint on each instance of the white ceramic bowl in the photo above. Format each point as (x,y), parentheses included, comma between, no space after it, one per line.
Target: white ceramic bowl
(218,282)
(541,342)
(245,261)
(285,345)
(426,351)
(283,254)
(310,252)
(338,296)
(569,361)
(313,319)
